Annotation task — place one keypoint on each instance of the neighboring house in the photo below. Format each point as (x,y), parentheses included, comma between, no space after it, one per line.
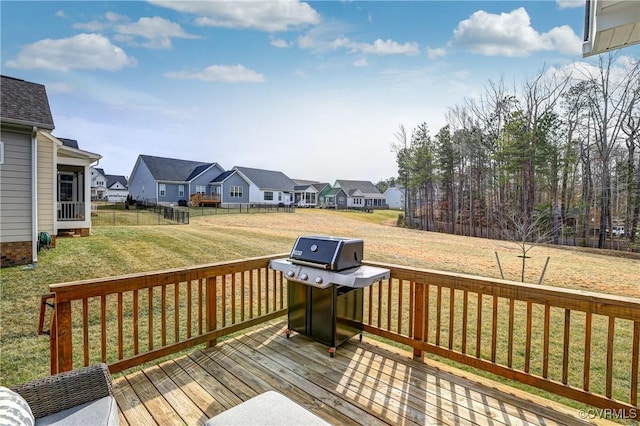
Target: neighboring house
(117,188)
(45,182)
(168,180)
(231,187)
(394,197)
(267,186)
(98,184)
(307,193)
(361,194)
(335,198)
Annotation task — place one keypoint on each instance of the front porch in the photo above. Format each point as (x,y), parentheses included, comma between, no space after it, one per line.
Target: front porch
(365,383)
(580,346)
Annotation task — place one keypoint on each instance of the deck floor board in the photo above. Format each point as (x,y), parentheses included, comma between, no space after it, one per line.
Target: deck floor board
(367,383)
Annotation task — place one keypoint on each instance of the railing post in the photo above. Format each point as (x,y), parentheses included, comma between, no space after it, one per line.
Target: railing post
(418,317)
(211,310)
(64,349)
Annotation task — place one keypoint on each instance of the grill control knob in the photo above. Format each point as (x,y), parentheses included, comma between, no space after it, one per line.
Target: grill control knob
(304,277)
(318,280)
(290,274)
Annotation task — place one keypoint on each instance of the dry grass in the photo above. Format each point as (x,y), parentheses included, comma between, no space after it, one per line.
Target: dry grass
(112,251)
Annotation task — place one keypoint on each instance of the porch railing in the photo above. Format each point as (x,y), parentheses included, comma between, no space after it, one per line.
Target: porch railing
(70,210)
(580,345)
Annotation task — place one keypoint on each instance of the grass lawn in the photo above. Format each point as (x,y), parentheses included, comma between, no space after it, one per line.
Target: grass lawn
(112,251)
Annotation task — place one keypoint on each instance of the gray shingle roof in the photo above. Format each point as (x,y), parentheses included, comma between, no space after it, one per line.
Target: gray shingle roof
(71,143)
(113,179)
(267,179)
(222,176)
(23,102)
(171,169)
(367,188)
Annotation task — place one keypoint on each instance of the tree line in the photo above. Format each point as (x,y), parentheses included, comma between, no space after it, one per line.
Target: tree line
(558,156)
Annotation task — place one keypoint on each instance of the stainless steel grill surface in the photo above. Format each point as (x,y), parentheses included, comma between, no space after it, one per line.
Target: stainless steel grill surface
(325,281)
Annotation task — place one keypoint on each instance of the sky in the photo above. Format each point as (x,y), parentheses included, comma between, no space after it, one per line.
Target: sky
(316,90)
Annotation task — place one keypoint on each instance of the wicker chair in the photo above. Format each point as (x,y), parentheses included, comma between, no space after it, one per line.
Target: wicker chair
(83,396)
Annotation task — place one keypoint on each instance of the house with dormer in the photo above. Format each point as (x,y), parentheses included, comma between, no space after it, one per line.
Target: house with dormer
(361,194)
(98,184)
(167,181)
(45,181)
(117,188)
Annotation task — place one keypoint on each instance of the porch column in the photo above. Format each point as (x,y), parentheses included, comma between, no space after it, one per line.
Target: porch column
(87,196)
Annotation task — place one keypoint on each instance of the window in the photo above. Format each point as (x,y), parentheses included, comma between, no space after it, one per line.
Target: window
(268,196)
(235,191)
(162,190)
(1,152)
(201,189)
(181,191)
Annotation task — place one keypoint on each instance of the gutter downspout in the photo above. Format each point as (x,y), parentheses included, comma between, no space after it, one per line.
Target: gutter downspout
(34,194)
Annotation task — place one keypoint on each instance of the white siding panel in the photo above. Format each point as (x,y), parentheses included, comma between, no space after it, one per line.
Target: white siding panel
(15,188)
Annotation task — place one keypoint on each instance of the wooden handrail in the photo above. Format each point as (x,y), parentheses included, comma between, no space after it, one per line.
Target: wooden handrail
(581,345)
(577,344)
(135,318)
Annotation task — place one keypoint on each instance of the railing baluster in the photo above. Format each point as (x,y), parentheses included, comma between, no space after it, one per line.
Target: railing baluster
(400,304)
(610,340)
(565,348)
(545,344)
(494,328)
(438,314)
(634,363)
(176,312)
(419,311)
(189,314)
(233,277)
(465,317)
(426,311)
(136,343)
(587,353)
(479,325)
(163,314)
(150,301)
(223,300)
(510,332)
(452,308)
(103,327)
(120,320)
(527,343)
(242,297)
(251,284)
(388,304)
(201,283)
(85,332)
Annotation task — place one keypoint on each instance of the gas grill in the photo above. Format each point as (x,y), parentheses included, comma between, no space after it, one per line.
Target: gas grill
(325,281)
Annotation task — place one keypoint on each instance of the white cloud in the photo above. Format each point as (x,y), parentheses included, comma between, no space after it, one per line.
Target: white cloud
(225,73)
(82,51)
(378,47)
(157,31)
(60,14)
(362,62)
(268,16)
(97,26)
(278,42)
(569,4)
(511,34)
(436,53)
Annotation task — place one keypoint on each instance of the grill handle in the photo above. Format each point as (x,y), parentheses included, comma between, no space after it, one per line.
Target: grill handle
(311,264)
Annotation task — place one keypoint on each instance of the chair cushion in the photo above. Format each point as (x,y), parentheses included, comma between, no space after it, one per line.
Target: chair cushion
(268,409)
(103,411)
(14,410)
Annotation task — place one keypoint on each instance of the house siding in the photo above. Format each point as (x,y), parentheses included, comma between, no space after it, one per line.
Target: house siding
(142,186)
(46,185)
(235,180)
(204,179)
(15,187)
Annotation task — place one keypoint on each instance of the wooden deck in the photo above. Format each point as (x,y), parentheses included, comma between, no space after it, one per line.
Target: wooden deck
(365,383)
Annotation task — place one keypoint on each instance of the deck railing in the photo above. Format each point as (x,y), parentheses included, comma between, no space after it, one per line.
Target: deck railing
(584,346)
(580,345)
(128,320)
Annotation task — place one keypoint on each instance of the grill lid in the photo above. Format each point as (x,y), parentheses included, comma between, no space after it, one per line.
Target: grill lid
(333,253)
